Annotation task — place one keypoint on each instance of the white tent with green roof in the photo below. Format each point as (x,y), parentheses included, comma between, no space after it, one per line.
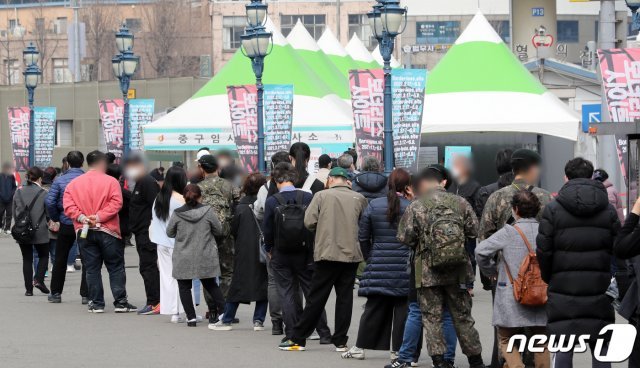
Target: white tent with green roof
(330,45)
(358,51)
(320,117)
(305,46)
(480,86)
(378,58)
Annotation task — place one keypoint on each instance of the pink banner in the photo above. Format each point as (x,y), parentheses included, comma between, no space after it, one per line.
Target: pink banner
(244,123)
(367,101)
(19,127)
(111,113)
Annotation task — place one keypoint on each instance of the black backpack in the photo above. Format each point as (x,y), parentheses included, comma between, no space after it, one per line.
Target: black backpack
(23,230)
(290,234)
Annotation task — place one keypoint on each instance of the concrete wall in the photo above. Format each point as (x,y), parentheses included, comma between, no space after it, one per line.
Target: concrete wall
(79,103)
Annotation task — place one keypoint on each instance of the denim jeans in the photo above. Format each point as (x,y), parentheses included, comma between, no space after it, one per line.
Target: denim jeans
(413,330)
(73,253)
(98,248)
(259,313)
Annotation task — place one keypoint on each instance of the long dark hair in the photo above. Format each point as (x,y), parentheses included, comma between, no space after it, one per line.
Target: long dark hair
(175,181)
(399,180)
(301,153)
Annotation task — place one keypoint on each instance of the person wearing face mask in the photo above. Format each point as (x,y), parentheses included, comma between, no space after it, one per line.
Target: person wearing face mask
(143,195)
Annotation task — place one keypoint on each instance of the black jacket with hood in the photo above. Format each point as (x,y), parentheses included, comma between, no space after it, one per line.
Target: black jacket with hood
(371,185)
(574,246)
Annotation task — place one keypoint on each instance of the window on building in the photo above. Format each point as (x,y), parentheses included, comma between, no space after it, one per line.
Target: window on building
(437,33)
(11,71)
(359,24)
(39,24)
(134,24)
(568,31)
(60,25)
(232,29)
(64,133)
(86,70)
(13,24)
(502,28)
(61,72)
(314,23)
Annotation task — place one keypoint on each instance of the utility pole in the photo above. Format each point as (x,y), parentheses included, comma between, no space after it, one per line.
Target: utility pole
(75,4)
(607,25)
(338,11)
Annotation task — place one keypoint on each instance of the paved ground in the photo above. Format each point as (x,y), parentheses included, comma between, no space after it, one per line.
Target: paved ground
(34,333)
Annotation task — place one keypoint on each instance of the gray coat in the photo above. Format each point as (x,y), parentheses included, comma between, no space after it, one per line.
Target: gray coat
(22,199)
(195,255)
(507,312)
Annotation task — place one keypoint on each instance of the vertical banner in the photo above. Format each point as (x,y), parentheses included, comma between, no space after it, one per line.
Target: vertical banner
(19,127)
(111,113)
(367,101)
(140,114)
(620,70)
(244,123)
(278,118)
(45,135)
(408,87)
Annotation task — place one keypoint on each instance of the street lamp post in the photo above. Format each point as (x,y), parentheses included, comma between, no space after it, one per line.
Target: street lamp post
(256,42)
(124,67)
(386,20)
(31,75)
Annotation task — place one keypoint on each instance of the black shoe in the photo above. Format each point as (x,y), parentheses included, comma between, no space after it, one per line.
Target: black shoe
(125,308)
(28,293)
(439,362)
(397,364)
(236,321)
(277,327)
(213,317)
(85,300)
(41,287)
(325,340)
(475,361)
(54,298)
(192,323)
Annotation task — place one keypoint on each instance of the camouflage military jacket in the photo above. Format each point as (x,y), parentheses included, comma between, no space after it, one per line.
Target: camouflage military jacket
(412,231)
(219,194)
(497,210)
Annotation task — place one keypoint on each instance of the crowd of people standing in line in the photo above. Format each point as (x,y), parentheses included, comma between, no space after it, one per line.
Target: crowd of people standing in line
(413,244)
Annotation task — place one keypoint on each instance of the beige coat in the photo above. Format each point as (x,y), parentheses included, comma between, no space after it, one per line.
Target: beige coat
(334,214)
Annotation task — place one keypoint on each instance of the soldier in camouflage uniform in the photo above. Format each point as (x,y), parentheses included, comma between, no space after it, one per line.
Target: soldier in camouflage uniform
(220,195)
(446,285)
(497,211)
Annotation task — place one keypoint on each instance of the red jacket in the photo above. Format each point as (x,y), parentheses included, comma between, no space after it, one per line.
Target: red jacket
(94,193)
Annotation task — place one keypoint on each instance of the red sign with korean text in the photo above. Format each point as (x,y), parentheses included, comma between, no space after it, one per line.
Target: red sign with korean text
(244,123)
(111,118)
(367,101)
(19,127)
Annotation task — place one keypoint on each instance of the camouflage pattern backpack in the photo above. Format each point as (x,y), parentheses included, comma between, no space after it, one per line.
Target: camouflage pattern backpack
(445,238)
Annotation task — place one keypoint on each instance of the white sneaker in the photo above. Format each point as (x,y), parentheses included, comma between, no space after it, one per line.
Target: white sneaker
(314,336)
(71,269)
(354,353)
(220,326)
(176,318)
(342,349)
(198,318)
(393,355)
(8,232)
(258,326)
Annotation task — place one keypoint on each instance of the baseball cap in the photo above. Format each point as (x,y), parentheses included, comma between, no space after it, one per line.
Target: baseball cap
(208,160)
(524,155)
(338,171)
(202,152)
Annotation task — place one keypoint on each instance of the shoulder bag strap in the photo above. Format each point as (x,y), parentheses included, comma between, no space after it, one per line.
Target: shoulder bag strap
(256,220)
(524,237)
(299,198)
(280,199)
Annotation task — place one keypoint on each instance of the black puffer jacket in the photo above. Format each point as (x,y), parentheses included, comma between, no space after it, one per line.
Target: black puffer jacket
(574,247)
(387,272)
(371,185)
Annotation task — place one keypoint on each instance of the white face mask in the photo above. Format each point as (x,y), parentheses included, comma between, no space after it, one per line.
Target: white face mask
(132,173)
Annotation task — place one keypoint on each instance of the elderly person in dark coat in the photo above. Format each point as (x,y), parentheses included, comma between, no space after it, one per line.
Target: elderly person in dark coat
(509,316)
(385,281)
(195,254)
(371,183)
(250,284)
(575,242)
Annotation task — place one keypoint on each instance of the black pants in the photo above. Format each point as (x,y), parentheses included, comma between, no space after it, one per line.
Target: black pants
(27,263)
(66,239)
(148,254)
(382,323)
(5,215)
(217,306)
(328,275)
(292,272)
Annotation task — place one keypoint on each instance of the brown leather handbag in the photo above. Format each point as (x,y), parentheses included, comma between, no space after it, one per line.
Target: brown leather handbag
(528,288)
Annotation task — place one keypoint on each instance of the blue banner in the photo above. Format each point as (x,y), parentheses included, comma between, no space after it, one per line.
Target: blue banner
(408,87)
(278,118)
(45,135)
(140,114)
